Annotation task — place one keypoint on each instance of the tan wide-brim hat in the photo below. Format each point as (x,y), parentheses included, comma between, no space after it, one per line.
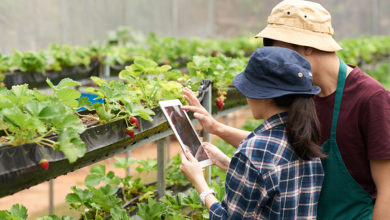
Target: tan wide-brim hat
(302,23)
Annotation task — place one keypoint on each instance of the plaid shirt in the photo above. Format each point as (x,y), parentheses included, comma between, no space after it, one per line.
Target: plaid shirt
(266,180)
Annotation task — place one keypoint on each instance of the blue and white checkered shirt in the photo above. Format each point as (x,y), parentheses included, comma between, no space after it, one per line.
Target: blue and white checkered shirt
(266,180)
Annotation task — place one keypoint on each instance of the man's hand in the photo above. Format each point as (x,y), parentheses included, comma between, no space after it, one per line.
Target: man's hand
(380,170)
(216,156)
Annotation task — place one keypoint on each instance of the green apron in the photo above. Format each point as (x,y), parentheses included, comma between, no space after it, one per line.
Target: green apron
(341,196)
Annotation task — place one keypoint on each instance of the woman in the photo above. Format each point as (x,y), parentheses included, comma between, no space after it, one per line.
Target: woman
(276,172)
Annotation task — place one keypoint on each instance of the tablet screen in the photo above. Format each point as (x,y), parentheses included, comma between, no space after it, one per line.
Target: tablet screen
(185,131)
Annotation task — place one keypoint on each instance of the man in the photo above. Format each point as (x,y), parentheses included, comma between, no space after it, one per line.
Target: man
(357,170)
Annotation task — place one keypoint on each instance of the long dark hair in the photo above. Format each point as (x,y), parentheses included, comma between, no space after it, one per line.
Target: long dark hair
(303,127)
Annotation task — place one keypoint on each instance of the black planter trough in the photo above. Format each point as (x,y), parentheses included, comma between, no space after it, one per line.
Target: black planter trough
(37,79)
(19,165)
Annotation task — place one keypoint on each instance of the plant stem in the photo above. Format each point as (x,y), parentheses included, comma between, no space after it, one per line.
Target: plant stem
(86,116)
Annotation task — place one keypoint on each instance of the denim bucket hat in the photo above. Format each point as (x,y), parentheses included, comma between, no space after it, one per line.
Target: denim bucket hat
(273,72)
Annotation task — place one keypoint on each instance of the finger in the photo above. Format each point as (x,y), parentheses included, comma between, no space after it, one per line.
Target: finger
(200,117)
(195,109)
(191,98)
(183,158)
(190,157)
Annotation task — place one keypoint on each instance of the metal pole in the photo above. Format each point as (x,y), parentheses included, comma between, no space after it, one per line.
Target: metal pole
(207,136)
(168,150)
(127,159)
(106,69)
(234,119)
(51,197)
(161,161)
(226,117)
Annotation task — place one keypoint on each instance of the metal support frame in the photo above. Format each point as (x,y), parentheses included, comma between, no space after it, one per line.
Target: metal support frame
(207,136)
(128,153)
(161,162)
(51,196)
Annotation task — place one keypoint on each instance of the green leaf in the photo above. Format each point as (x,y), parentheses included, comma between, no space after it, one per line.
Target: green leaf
(19,211)
(66,82)
(48,81)
(98,169)
(21,90)
(105,116)
(34,107)
(69,96)
(73,198)
(84,102)
(98,81)
(71,144)
(119,213)
(92,180)
(124,163)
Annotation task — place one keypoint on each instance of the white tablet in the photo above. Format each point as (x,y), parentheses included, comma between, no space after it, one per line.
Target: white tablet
(184,131)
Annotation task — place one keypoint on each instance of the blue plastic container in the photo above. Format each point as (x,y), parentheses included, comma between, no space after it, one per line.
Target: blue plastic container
(91,97)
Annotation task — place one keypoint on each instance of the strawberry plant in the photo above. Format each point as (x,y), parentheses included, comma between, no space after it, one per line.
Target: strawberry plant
(65,55)
(119,102)
(5,64)
(27,116)
(147,81)
(221,70)
(30,61)
(95,203)
(17,212)
(174,177)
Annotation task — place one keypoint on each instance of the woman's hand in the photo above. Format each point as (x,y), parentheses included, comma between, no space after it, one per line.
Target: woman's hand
(192,170)
(216,156)
(206,120)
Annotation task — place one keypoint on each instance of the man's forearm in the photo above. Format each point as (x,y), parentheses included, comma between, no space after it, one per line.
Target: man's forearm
(233,136)
(380,170)
(381,208)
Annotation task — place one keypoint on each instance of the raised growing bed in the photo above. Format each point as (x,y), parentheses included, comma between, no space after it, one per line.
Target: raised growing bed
(19,168)
(37,79)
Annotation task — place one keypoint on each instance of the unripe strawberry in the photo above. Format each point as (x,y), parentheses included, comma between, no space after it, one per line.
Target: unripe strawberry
(44,164)
(133,120)
(130,132)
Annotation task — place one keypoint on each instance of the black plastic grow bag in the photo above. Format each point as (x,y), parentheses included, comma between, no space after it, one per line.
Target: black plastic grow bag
(37,79)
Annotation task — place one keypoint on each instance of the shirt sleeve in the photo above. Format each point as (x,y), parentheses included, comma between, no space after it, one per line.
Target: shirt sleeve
(376,126)
(245,191)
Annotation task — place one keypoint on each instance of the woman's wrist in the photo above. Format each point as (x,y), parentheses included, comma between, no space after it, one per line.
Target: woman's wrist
(218,128)
(226,162)
(201,185)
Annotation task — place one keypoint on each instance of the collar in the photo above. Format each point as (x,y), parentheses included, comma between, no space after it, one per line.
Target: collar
(272,122)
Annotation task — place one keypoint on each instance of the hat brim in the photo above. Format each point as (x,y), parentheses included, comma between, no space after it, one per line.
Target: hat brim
(250,90)
(293,35)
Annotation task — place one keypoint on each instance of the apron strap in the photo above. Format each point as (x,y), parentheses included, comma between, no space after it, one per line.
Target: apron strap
(339,94)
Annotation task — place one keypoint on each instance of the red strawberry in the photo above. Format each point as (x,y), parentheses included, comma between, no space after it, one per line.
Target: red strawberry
(214,53)
(166,62)
(219,104)
(219,94)
(44,164)
(130,132)
(133,120)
